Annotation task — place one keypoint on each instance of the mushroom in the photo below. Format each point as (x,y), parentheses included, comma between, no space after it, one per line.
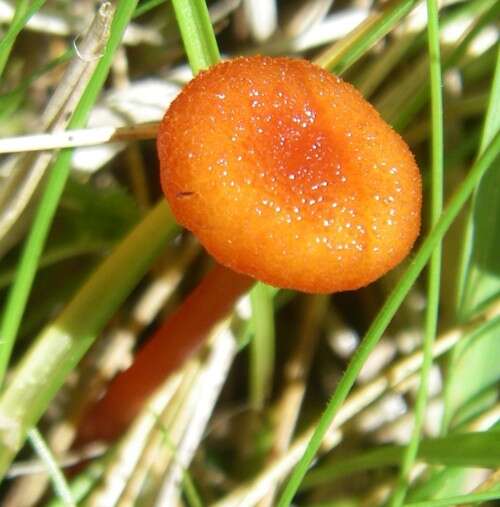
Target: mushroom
(286,175)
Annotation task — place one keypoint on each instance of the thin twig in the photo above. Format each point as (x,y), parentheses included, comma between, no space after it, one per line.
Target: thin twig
(78,137)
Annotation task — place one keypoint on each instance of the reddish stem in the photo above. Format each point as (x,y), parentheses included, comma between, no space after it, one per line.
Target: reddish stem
(179,337)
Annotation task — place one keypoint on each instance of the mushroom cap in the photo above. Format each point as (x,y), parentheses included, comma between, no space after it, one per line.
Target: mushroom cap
(286,173)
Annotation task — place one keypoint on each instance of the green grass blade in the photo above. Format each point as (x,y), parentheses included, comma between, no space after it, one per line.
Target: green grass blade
(473,369)
(344,55)
(438,483)
(479,278)
(465,450)
(481,242)
(61,487)
(262,344)
(22,14)
(12,99)
(386,314)
(193,498)
(28,265)
(458,500)
(197,33)
(82,484)
(147,6)
(492,122)
(432,311)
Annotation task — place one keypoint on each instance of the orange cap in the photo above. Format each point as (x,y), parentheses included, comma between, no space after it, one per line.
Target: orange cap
(287,174)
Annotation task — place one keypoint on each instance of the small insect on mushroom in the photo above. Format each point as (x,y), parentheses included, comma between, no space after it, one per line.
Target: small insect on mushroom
(296,180)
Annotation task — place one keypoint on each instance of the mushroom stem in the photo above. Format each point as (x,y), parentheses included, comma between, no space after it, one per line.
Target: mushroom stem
(179,336)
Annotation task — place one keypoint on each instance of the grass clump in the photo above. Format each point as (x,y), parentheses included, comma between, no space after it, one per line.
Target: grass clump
(92,260)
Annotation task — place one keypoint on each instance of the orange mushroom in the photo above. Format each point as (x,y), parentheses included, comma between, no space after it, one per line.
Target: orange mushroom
(284,173)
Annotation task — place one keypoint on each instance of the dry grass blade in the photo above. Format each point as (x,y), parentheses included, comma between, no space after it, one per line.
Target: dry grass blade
(78,137)
(304,15)
(211,381)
